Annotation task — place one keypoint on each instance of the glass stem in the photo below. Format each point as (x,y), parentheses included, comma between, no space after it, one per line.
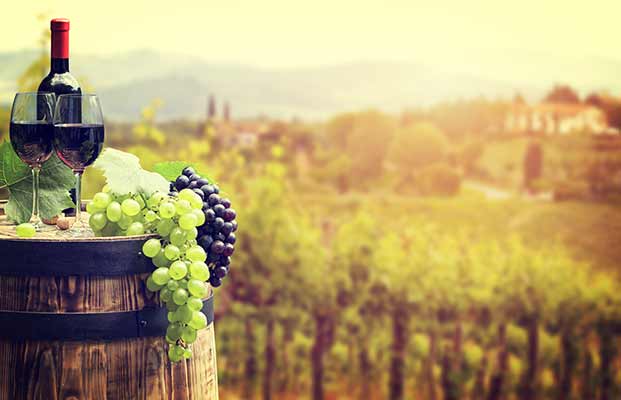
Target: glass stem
(35,220)
(78,197)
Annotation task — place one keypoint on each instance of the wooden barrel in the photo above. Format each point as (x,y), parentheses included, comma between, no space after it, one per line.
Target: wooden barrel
(77,322)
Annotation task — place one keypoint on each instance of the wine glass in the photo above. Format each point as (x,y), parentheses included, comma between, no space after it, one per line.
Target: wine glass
(78,140)
(31,132)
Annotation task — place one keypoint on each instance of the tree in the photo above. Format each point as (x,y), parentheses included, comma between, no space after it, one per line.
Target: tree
(226,113)
(562,94)
(211,108)
(533,164)
(417,146)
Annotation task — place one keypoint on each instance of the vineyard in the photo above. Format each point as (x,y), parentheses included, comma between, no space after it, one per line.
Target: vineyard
(417,308)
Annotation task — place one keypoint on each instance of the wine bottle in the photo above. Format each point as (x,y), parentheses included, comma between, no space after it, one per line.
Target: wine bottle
(59,80)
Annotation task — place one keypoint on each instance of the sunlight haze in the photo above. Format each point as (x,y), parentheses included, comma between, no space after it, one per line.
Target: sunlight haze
(284,33)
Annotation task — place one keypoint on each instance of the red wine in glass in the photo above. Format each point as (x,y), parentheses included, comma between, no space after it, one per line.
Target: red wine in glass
(78,145)
(32,141)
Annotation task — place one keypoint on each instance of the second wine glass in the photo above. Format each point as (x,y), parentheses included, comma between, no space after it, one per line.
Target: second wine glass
(78,140)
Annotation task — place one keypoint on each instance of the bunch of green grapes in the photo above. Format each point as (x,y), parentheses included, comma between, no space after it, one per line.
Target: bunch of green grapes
(181,273)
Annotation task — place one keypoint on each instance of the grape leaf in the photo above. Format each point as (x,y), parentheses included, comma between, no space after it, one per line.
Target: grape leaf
(55,180)
(125,175)
(172,169)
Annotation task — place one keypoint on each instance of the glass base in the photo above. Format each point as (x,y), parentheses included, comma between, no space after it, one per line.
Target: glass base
(77,232)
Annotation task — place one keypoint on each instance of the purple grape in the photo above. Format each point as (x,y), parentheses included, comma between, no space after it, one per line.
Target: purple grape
(182,182)
(188,171)
(213,199)
(210,215)
(215,281)
(216,189)
(234,223)
(218,223)
(231,239)
(199,193)
(192,185)
(219,209)
(205,242)
(227,229)
(225,260)
(229,214)
(194,177)
(226,203)
(220,272)
(219,236)
(228,249)
(208,190)
(217,247)
(202,182)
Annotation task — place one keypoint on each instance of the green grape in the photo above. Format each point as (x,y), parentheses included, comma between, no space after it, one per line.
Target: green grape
(125,221)
(174,331)
(170,340)
(177,236)
(167,210)
(90,208)
(183,207)
(113,211)
(155,199)
(25,230)
(101,200)
(140,201)
(171,316)
(187,353)
(166,297)
(161,276)
(198,321)
(170,304)
(178,270)
(151,285)
(136,228)
(199,270)
(172,285)
(183,283)
(189,335)
(150,216)
(191,234)
(180,296)
(200,216)
(183,314)
(171,252)
(105,188)
(130,207)
(196,202)
(195,303)
(188,221)
(197,288)
(151,247)
(196,253)
(110,229)
(186,194)
(175,353)
(98,221)
(164,227)
(160,259)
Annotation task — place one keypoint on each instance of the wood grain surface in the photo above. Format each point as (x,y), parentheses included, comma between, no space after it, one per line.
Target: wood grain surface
(128,369)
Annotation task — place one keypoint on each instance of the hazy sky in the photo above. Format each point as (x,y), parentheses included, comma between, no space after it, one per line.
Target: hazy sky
(293,33)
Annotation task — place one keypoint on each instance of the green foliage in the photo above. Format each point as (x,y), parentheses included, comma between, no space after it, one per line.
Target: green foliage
(418,145)
(172,169)
(438,180)
(125,175)
(54,182)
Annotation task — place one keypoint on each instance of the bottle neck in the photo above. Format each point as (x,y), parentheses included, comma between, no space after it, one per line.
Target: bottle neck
(60,51)
(59,65)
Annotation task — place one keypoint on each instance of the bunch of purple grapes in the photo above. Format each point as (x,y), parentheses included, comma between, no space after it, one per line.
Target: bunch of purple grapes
(217,235)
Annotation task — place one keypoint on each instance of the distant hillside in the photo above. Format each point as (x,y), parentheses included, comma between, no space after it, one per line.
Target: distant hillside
(126,82)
